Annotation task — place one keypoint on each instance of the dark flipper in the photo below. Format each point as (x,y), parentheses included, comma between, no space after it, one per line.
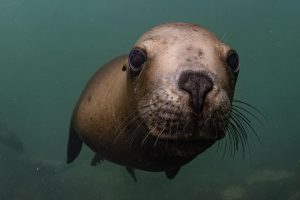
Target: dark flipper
(171,173)
(74,143)
(132,173)
(97,159)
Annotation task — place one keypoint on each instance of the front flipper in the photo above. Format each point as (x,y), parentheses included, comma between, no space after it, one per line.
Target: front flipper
(74,143)
(132,173)
(97,159)
(171,173)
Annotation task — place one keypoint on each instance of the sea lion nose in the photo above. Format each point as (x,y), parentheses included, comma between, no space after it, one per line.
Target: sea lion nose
(197,84)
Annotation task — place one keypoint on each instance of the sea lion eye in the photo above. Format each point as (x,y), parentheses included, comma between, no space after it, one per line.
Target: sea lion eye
(137,57)
(233,61)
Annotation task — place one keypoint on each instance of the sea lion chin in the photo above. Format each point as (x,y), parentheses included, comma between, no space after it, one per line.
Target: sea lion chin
(161,105)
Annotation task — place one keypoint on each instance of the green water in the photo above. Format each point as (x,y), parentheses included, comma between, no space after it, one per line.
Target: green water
(49,49)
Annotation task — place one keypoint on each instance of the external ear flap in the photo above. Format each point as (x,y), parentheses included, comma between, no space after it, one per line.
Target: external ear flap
(74,143)
(124,68)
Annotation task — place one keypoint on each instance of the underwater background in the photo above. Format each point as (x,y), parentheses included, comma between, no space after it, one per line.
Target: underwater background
(48,51)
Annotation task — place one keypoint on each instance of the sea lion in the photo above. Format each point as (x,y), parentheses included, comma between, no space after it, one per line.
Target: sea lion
(161,105)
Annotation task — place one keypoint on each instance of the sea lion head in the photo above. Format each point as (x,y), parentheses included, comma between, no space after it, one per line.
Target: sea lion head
(183,78)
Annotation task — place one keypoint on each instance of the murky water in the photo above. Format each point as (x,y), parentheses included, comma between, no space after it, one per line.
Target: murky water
(49,49)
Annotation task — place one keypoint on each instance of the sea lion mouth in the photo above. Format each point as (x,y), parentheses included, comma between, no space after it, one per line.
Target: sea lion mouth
(172,149)
(167,114)
(192,135)
(197,132)
(194,129)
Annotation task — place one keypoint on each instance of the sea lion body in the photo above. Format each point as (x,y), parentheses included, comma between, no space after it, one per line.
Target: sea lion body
(108,84)
(105,138)
(160,106)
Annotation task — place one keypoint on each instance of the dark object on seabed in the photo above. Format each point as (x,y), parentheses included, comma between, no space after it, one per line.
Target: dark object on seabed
(11,140)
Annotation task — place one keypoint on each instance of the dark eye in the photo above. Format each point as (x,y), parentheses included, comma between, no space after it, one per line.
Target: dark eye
(137,57)
(233,61)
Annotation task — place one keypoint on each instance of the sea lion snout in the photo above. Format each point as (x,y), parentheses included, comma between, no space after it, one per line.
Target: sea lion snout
(197,85)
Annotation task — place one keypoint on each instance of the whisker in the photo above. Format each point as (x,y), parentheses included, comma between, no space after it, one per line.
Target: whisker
(238,126)
(241,132)
(234,138)
(128,117)
(247,122)
(223,36)
(235,110)
(157,138)
(128,120)
(143,119)
(135,126)
(250,106)
(134,133)
(221,142)
(231,140)
(235,107)
(128,123)
(177,127)
(147,135)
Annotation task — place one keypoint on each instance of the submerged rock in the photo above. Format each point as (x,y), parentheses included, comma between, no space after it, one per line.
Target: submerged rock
(10,139)
(269,176)
(234,192)
(294,196)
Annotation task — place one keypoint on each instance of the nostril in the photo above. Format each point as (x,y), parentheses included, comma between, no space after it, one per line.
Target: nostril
(197,84)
